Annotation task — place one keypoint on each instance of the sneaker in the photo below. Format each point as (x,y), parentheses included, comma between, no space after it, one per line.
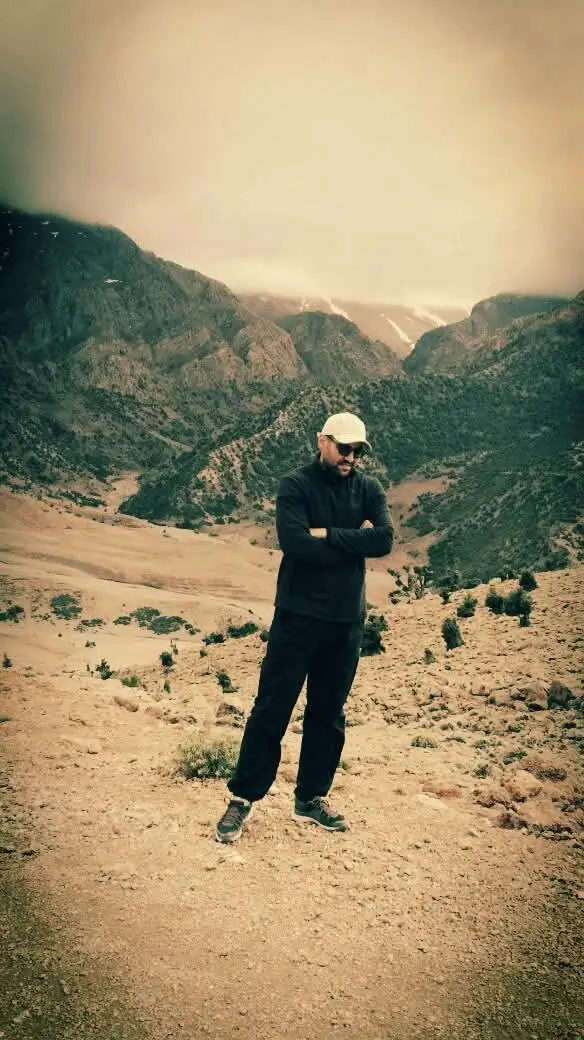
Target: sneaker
(234,819)
(318,811)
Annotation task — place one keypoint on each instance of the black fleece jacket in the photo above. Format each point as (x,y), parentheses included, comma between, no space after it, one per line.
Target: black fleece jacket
(325,578)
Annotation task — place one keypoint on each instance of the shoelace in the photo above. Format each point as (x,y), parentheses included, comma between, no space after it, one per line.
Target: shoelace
(235,812)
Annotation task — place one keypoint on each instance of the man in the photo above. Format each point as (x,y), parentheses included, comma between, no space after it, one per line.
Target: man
(329,518)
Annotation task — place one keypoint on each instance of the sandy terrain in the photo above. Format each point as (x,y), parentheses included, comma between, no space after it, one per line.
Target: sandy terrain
(451,910)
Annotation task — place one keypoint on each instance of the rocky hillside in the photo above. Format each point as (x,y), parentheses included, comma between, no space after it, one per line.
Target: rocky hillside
(446,349)
(334,350)
(508,432)
(397,325)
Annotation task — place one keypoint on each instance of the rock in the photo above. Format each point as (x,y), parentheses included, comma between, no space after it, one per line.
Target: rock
(536,697)
(559,696)
(442,790)
(510,821)
(127,702)
(229,714)
(543,768)
(490,796)
(522,785)
(88,747)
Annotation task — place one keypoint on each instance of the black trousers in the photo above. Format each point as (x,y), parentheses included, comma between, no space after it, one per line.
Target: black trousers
(326,654)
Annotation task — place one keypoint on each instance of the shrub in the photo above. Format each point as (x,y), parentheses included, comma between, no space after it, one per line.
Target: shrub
(518,602)
(123,619)
(425,742)
(467,607)
(482,771)
(214,637)
(65,607)
(528,581)
(166,660)
(6,662)
(225,682)
(495,602)
(131,680)
(238,631)
(371,638)
(451,634)
(89,642)
(524,621)
(161,625)
(95,622)
(166,687)
(429,657)
(445,595)
(12,614)
(213,760)
(264,635)
(104,669)
(145,615)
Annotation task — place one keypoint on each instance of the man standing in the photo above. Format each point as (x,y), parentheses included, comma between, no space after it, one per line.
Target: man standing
(329,518)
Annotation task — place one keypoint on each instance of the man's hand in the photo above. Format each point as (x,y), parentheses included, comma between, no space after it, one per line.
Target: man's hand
(318,532)
(366,523)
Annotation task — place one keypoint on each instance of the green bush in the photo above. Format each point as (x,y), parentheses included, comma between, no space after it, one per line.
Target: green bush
(104,669)
(238,631)
(131,680)
(467,607)
(225,682)
(517,603)
(166,659)
(12,614)
(214,637)
(371,638)
(451,634)
(123,619)
(162,625)
(528,581)
(6,662)
(145,615)
(429,657)
(445,595)
(212,760)
(65,607)
(495,602)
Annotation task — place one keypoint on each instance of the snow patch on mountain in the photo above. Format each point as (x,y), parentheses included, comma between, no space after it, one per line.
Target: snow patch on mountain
(402,335)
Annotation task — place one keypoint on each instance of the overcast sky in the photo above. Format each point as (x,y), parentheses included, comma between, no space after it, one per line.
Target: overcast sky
(424,150)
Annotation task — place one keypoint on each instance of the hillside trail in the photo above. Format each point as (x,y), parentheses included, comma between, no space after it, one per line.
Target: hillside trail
(123,918)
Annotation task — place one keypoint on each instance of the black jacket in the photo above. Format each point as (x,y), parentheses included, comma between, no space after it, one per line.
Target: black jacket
(326,578)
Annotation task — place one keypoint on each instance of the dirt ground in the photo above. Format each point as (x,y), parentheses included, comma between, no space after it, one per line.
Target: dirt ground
(451,910)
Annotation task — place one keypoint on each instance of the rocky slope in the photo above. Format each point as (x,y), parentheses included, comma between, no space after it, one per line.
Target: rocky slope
(335,351)
(397,325)
(447,349)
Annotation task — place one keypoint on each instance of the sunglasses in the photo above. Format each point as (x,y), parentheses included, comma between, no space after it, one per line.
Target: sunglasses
(346,449)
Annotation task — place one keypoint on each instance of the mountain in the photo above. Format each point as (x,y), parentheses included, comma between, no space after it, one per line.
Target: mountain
(111,357)
(446,349)
(335,351)
(397,325)
(506,431)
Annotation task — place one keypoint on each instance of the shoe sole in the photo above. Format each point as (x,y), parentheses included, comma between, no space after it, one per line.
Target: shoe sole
(317,823)
(228,839)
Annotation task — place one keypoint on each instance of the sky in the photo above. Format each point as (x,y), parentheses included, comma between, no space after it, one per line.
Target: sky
(377,150)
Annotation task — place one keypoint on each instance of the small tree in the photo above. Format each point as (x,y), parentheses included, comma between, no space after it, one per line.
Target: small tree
(166,660)
(451,634)
(495,602)
(528,581)
(518,602)
(371,639)
(467,607)
(225,682)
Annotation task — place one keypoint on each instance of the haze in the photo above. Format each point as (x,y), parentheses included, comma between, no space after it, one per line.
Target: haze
(429,151)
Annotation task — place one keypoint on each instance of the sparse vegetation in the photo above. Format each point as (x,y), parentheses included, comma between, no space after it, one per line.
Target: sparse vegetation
(65,607)
(214,637)
(528,581)
(166,660)
(371,639)
(225,682)
(423,742)
(104,669)
(495,601)
(89,623)
(429,657)
(207,760)
(12,613)
(467,607)
(238,631)
(451,634)
(518,603)
(6,662)
(133,681)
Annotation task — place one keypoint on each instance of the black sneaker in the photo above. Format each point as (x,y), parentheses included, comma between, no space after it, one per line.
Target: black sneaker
(318,811)
(233,820)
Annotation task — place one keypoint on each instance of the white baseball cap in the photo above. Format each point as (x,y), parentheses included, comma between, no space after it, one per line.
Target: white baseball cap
(346,428)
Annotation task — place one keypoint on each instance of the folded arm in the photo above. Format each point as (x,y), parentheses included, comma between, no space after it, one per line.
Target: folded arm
(374,537)
(294,533)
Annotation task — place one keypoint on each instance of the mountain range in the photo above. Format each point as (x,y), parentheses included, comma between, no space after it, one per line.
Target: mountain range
(113,359)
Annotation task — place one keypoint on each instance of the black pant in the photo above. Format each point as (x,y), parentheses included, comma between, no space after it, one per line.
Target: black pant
(326,653)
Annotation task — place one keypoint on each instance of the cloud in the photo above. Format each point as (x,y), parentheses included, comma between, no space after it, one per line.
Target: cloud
(371,151)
